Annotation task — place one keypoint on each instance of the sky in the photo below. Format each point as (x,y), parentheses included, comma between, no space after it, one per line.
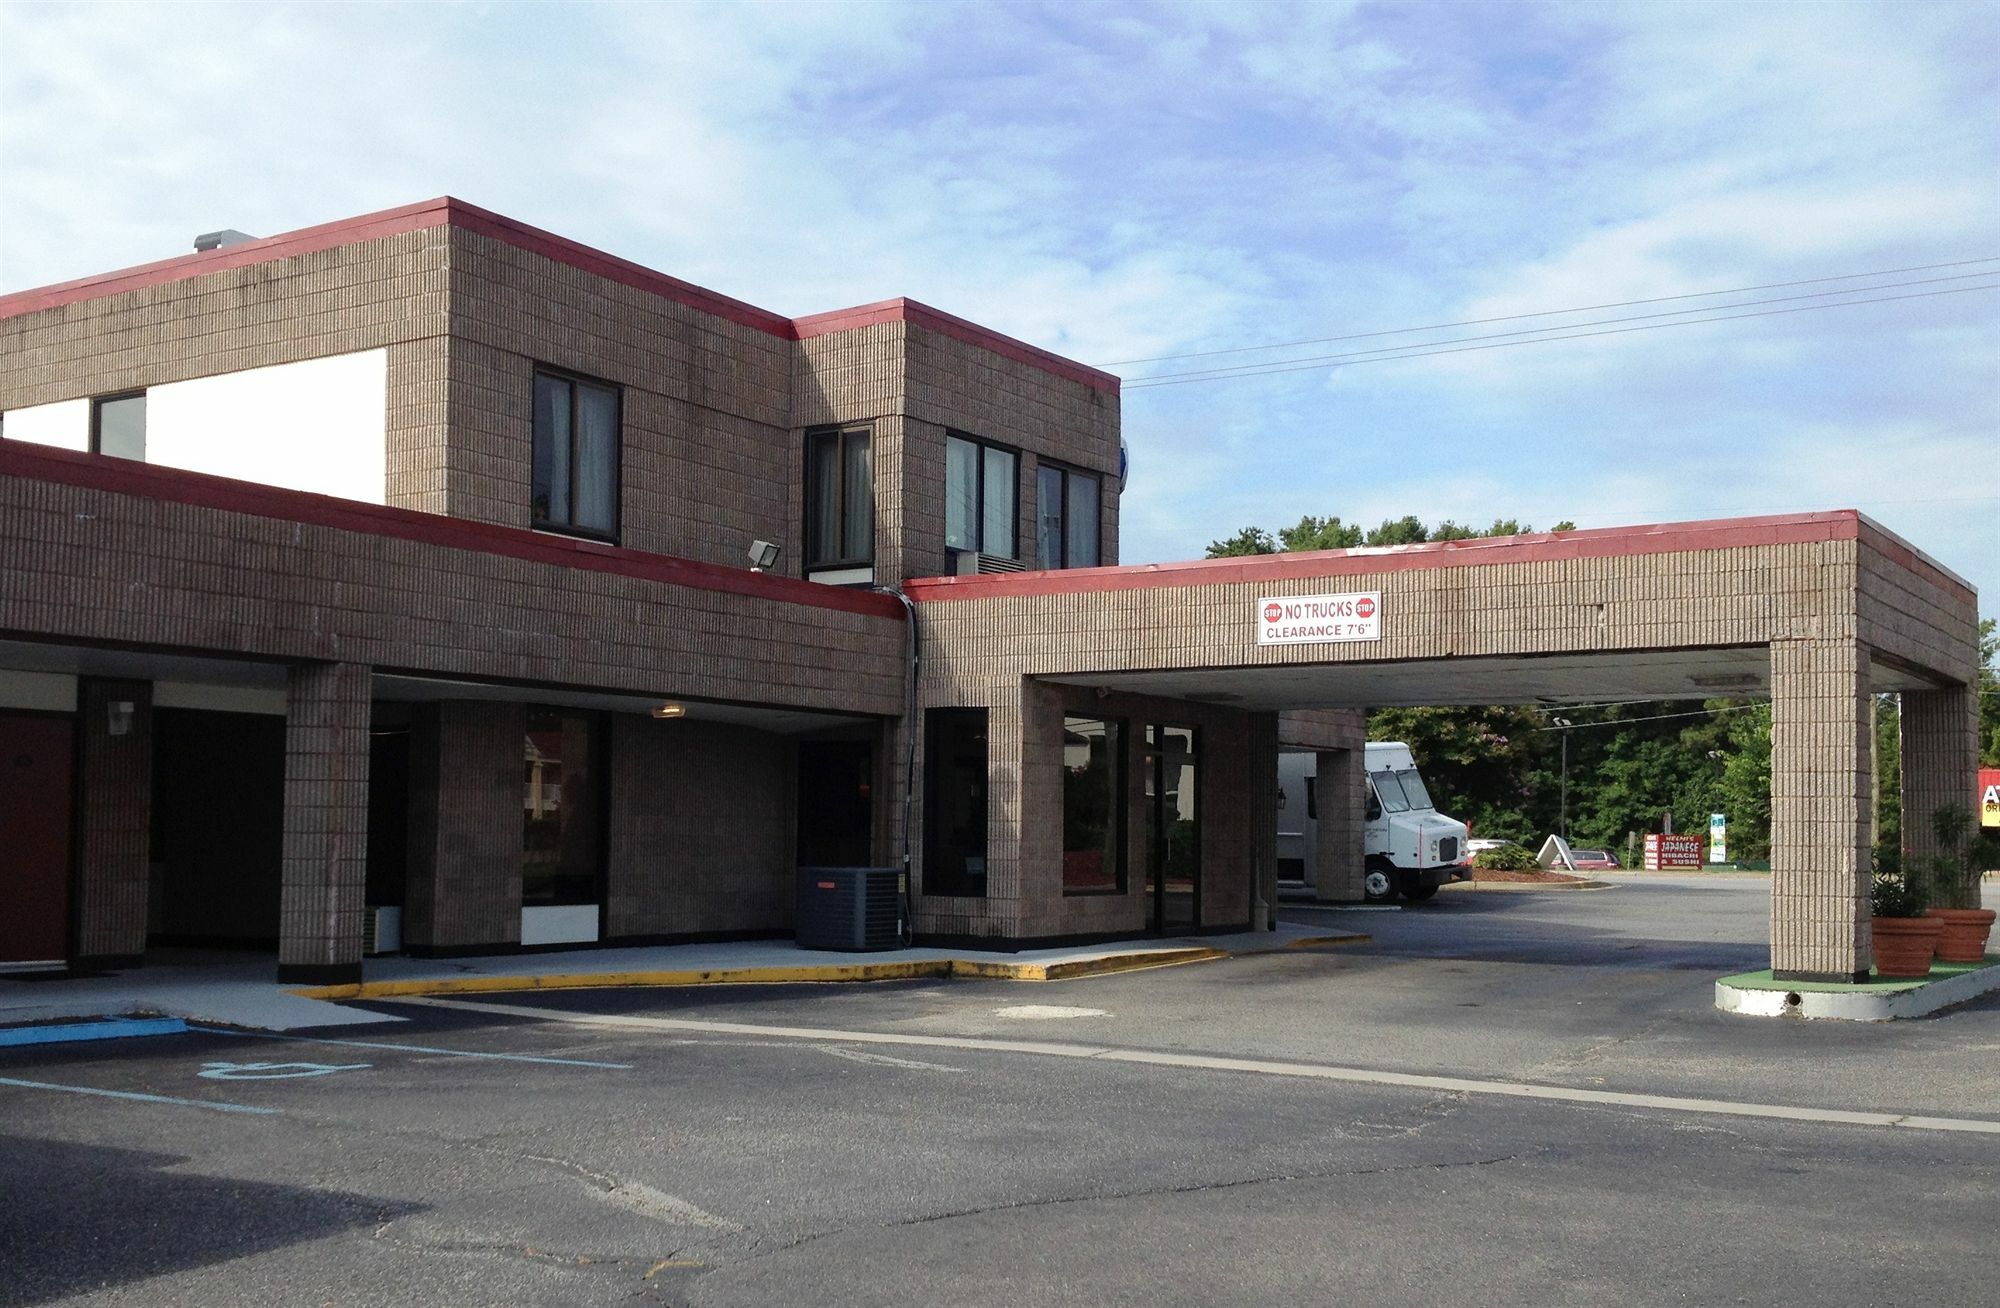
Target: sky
(1119,183)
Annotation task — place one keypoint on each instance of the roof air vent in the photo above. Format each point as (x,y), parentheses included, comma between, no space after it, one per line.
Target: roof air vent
(216,240)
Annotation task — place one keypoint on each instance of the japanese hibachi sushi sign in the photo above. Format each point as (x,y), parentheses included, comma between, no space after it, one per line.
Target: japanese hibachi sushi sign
(1310,619)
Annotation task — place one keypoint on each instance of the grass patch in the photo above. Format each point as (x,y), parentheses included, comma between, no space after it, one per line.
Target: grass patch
(1939,972)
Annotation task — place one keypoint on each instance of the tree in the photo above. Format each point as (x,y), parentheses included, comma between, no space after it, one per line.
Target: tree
(1320,534)
(1250,540)
(1989,694)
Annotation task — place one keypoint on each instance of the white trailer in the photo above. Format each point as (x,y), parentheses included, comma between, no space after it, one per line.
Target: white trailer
(1408,847)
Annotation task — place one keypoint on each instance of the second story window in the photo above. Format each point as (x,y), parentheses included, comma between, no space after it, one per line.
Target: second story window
(118,426)
(840,499)
(982,496)
(1066,516)
(576,455)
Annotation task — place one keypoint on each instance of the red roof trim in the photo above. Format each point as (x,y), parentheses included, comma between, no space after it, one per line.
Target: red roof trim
(1539,547)
(123,477)
(970,333)
(1887,542)
(472,218)
(307,240)
(446,211)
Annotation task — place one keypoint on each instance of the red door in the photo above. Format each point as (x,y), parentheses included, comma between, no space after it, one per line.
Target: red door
(34,838)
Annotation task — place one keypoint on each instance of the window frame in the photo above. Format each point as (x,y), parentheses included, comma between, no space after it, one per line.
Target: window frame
(937,723)
(840,432)
(982,445)
(1118,817)
(597,766)
(573,379)
(97,403)
(1067,471)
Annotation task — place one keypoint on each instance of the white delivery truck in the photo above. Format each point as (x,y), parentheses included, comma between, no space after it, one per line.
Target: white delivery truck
(1409,848)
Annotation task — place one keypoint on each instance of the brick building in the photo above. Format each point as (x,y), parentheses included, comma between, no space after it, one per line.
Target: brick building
(388,583)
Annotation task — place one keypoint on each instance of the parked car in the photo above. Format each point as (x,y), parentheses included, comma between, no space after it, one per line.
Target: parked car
(1593,860)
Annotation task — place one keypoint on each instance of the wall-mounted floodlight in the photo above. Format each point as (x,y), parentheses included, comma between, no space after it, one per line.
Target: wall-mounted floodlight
(670,709)
(762,555)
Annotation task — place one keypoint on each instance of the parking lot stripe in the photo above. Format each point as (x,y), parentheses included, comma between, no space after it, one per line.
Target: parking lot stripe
(1263,1067)
(209,1104)
(414,1049)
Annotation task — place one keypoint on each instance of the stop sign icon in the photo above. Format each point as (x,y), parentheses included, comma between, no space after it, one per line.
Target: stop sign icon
(1272,612)
(1366,608)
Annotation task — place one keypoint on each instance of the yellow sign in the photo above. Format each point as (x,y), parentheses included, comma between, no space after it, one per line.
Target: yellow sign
(1989,805)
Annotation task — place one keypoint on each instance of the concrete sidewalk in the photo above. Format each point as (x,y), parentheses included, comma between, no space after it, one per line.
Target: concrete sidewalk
(243,993)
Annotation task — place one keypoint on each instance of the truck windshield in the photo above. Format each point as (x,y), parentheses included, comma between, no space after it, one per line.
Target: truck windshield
(1413,786)
(1390,791)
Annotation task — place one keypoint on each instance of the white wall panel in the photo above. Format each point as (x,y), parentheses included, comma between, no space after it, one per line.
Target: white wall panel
(318,425)
(64,424)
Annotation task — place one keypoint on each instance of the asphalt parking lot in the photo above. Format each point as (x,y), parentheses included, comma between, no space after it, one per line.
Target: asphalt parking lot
(1317,1126)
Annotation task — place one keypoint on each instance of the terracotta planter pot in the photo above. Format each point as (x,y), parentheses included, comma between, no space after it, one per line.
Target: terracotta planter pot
(1904,945)
(1964,937)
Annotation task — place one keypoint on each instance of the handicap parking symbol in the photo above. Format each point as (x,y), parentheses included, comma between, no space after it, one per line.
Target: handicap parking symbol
(273,1071)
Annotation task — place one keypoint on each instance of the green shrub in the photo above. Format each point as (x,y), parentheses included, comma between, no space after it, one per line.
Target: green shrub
(1893,894)
(1507,858)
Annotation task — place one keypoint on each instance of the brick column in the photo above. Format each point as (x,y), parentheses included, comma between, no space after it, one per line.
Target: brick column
(114,824)
(320,920)
(1820,819)
(1340,801)
(1263,807)
(1940,748)
(463,894)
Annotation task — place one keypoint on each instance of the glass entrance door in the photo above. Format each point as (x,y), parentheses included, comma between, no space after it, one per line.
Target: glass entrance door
(1173,845)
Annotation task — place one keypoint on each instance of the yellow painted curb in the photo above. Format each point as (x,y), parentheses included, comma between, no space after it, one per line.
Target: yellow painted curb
(902,970)
(1310,941)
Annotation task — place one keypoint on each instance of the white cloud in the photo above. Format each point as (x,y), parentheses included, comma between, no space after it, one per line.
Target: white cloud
(1122,183)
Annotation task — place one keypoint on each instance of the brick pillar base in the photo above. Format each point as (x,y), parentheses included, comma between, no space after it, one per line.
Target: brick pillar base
(1821,792)
(1340,802)
(326,825)
(1940,749)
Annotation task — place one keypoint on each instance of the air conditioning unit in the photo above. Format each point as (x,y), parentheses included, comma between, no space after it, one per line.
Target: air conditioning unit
(850,908)
(966,563)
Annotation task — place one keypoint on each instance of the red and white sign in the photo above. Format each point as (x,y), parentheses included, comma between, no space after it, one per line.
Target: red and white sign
(1677,850)
(1313,619)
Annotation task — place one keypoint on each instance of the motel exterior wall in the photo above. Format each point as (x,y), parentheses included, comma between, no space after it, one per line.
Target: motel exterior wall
(447,581)
(716,399)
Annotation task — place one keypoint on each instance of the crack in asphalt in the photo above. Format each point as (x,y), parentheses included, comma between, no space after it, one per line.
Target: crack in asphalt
(1206,1187)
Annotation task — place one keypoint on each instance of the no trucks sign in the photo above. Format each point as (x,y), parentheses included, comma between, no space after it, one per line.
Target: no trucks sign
(1312,619)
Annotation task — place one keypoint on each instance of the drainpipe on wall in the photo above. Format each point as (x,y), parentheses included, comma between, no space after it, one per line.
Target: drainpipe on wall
(910,726)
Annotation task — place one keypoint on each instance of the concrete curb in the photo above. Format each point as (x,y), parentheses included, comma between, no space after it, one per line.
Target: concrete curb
(1918,1000)
(1525,887)
(808,973)
(1314,942)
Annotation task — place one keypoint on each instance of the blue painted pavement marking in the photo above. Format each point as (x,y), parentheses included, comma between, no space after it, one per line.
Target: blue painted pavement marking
(209,1104)
(109,1029)
(416,1049)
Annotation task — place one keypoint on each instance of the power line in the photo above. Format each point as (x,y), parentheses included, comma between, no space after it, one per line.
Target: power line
(1705,311)
(1550,313)
(1415,353)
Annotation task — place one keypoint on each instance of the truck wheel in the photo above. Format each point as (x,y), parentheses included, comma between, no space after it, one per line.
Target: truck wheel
(1413,888)
(1378,882)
